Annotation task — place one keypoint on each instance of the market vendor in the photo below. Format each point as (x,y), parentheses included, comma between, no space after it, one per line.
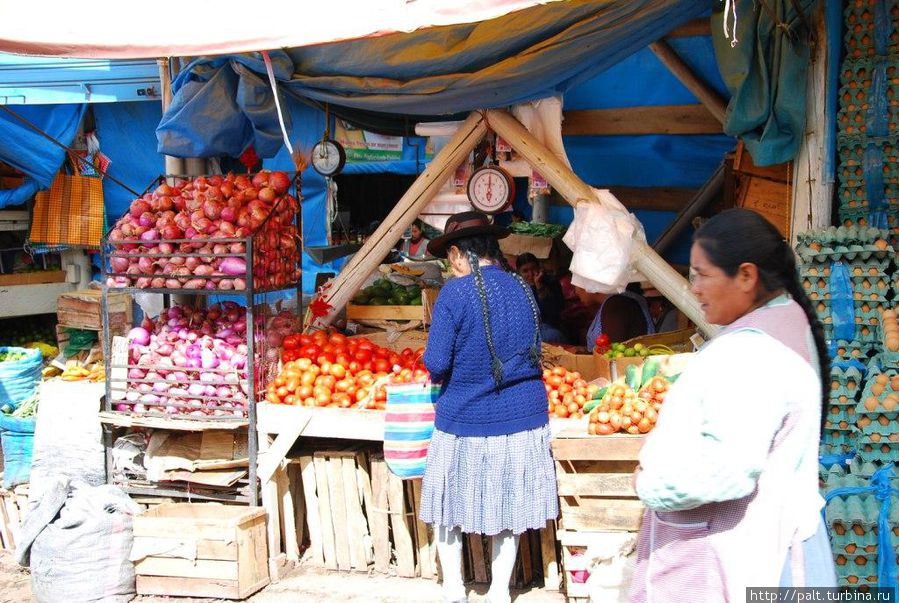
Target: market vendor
(418,244)
(548,292)
(621,316)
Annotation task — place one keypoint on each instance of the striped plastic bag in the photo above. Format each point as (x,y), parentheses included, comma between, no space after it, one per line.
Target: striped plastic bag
(408,426)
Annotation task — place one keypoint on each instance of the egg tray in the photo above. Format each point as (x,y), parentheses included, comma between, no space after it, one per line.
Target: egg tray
(854,199)
(855,121)
(816,294)
(851,174)
(865,309)
(837,444)
(883,453)
(861,45)
(839,235)
(846,253)
(834,447)
(851,350)
(865,334)
(888,359)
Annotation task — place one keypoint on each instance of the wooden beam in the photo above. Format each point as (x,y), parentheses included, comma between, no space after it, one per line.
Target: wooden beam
(559,176)
(660,119)
(401,216)
(701,26)
(706,195)
(706,95)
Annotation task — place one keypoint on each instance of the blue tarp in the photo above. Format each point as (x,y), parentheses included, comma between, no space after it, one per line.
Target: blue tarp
(30,152)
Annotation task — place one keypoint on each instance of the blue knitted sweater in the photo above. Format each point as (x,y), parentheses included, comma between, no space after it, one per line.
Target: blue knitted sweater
(457,356)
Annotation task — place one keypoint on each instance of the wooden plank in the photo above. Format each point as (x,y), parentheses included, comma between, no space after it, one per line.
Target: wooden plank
(355,312)
(33,278)
(187,587)
(271,458)
(406,210)
(402,538)
(356,526)
(744,165)
(269,492)
(701,26)
(602,514)
(478,560)
(288,516)
(187,568)
(551,576)
(159,527)
(656,198)
(378,514)
(773,200)
(176,547)
(257,559)
(596,484)
(628,121)
(125,420)
(702,91)
(6,532)
(346,423)
(346,557)
(363,478)
(324,512)
(524,552)
(245,547)
(422,543)
(307,472)
(613,448)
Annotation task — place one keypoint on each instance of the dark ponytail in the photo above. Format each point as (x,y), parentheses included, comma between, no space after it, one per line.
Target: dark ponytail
(741,235)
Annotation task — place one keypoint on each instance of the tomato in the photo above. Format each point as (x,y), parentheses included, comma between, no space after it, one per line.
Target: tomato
(421,374)
(407,352)
(303,340)
(338,370)
(343,385)
(290,399)
(307,378)
(310,351)
(342,400)
(381,365)
(604,429)
(291,342)
(362,355)
(324,358)
(320,337)
(554,381)
(354,367)
(361,394)
(304,391)
(382,353)
(304,363)
(288,355)
(343,359)
(272,397)
(366,344)
(561,411)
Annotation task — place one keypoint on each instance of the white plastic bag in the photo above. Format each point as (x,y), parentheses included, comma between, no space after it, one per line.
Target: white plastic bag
(612,562)
(600,238)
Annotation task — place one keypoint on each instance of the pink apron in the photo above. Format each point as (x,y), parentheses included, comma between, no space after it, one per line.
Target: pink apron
(713,552)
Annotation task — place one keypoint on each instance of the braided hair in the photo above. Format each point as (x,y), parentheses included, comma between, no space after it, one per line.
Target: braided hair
(761,244)
(483,247)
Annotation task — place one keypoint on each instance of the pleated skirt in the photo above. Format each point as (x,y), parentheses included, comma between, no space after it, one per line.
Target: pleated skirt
(486,485)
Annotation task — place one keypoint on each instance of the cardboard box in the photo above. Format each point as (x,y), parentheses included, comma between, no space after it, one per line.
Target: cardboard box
(200,550)
(552,252)
(679,341)
(582,363)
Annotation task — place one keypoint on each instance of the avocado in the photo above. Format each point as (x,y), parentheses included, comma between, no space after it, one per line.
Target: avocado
(377,301)
(413,291)
(360,299)
(415,301)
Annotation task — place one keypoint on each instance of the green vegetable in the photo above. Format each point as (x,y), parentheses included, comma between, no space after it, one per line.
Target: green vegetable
(600,393)
(26,409)
(632,376)
(591,405)
(672,378)
(650,369)
(12,356)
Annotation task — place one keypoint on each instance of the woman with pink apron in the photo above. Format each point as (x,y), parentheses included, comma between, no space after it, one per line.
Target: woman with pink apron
(730,473)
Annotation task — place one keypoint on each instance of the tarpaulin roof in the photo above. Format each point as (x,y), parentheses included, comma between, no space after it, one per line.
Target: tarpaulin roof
(125,30)
(530,54)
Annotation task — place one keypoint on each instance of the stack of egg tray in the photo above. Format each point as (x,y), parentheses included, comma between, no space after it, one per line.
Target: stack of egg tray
(852,520)
(856,99)
(875,417)
(839,422)
(853,181)
(859,18)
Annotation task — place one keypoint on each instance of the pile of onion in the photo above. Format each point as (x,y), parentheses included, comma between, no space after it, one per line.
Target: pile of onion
(192,235)
(189,361)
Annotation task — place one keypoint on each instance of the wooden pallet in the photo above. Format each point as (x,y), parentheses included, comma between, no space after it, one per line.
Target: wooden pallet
(13,506)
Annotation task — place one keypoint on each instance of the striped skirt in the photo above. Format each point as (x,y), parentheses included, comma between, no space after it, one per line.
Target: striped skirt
(486,485)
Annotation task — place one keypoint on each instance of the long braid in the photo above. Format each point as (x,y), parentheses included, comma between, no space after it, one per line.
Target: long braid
(790,281)
(534,352)
(496,365)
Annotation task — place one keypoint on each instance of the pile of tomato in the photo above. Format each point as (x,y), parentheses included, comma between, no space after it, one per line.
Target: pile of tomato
(327,368)
(567,392)
(622,410)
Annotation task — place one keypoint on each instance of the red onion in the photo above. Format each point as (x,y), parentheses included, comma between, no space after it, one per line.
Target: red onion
(139,335)
(138,208)
(233,266)
(150,235)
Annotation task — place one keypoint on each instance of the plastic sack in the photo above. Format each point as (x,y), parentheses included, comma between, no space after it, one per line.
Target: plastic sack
(408,427)
(842,304)
(600,238)
(612,561)
(18,379)
(17,440)
(77,541)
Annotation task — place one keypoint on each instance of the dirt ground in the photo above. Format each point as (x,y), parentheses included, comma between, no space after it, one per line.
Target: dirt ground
(303,583)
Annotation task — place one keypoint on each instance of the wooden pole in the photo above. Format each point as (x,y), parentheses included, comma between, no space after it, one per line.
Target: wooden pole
(173,165)
(706,95)
(401,216)
(665,278)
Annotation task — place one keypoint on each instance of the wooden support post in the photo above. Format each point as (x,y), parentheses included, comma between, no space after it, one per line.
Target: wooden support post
(295,482)
(665,278)
(270,502)
(478,559)
(551,576)
(685,216)
(307,471)
(324,512)
(402,538)
(288,516)
(360,543)
(402,215)
(422,540)
(702,91)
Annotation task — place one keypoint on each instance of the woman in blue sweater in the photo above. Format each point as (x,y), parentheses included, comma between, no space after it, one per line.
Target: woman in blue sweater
(490,470)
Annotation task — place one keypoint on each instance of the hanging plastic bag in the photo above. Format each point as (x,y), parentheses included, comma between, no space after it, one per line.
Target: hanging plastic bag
(600,238)
(842,303)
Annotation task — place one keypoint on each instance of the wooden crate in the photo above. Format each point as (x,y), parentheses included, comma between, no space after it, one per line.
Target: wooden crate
(577,565)
(13,506)
(422,312)
(595,479)
(201,550)
(33,278)
(82,310)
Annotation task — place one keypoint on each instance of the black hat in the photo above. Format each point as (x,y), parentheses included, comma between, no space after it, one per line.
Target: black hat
(465,224)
